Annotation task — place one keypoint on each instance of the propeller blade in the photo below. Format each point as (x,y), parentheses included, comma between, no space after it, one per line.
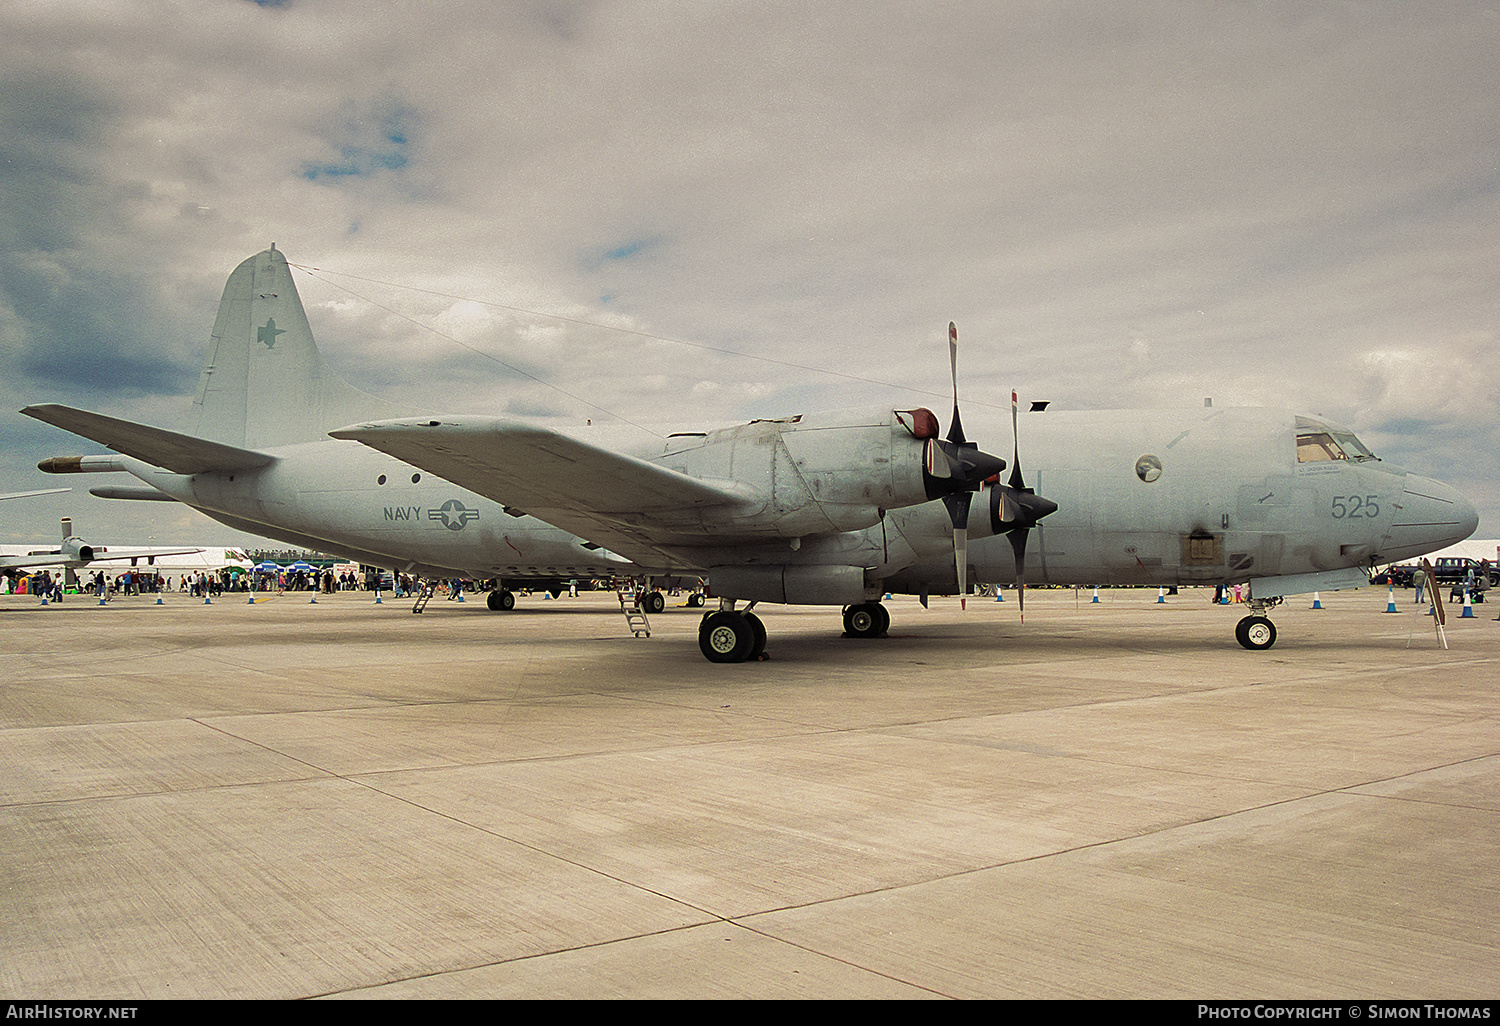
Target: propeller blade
(958,513)
(1018,545)
(961,564)
(1015,509)
(1016,480)
(955,428)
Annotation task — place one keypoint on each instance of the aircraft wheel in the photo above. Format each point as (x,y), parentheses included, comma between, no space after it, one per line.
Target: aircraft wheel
(501,600)
(1256,633)
(655,602)
(866,620)
(758,629)
(725,637)
(695,600)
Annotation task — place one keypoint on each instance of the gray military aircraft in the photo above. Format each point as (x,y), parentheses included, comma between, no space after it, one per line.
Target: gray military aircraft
(260,461)
(827,509)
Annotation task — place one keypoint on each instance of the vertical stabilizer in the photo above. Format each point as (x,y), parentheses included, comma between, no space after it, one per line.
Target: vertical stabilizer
(263,382)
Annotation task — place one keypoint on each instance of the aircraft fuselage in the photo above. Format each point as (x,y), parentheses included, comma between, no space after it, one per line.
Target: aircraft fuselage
(348,498)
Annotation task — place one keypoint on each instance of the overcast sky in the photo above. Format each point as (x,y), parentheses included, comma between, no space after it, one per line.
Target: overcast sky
(1122,205)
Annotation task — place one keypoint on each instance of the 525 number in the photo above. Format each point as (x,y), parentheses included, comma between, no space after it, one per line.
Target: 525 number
(1345,506)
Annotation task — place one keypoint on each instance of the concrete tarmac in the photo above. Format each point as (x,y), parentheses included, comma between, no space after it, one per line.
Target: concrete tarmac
(1113,800)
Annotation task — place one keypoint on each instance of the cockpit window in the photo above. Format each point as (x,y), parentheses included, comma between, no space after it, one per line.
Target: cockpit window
(1317,446)
(1352,446)
(1318,442)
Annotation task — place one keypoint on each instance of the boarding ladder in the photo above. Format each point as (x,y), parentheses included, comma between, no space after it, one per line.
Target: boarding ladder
(424,596)
(630,605)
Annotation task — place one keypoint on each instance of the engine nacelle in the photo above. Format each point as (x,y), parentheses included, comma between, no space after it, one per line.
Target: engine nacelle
(794,585)
(831,472)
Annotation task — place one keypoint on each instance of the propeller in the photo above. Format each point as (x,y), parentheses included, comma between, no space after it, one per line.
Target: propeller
(953,470)
(1015,508)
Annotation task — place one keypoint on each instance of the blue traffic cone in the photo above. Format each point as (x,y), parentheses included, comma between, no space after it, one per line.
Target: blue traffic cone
(1096,595)
(1161,596)
(1317,602)
(1390,602)
(1468,613)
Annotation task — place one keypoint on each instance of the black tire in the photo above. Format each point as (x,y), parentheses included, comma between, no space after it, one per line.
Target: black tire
(758,629)
(866,620)
(1255,633)
(725,637)
(655,602)
(500,601)
(695,600)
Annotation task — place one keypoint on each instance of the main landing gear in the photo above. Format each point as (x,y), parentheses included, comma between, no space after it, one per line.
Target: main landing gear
(501,601)
(732,637)
(866,620)
(1256,632)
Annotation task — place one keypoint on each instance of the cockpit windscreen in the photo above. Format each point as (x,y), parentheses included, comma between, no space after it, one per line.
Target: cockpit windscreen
(1318,442)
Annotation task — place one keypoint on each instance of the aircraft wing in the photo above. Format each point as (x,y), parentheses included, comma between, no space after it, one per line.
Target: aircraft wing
(181,454)
(149,555)
(23,562)
(61,558)
(610,498)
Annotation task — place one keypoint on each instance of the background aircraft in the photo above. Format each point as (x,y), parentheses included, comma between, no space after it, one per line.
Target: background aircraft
(832,509)
(74,552)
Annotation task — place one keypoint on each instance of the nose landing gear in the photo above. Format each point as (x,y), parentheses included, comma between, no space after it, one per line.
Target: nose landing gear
(1256,632)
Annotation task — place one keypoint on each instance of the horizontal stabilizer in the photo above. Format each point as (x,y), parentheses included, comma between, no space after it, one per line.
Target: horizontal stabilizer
(181,454)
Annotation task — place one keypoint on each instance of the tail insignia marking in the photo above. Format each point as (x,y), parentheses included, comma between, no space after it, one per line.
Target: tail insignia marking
(267,333)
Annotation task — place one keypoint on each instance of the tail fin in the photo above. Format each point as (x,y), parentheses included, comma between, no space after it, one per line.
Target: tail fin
(263,382)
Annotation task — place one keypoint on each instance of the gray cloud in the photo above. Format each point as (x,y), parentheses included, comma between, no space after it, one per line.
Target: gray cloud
(1121,205)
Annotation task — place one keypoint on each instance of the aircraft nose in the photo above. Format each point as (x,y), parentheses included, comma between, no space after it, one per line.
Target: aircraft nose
(1431,515)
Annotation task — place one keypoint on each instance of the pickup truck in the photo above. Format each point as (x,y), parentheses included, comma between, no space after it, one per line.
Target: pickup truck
(1455,570)
(1451,570)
